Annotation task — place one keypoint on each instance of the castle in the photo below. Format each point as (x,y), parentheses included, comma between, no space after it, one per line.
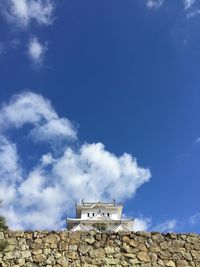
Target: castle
(95,215)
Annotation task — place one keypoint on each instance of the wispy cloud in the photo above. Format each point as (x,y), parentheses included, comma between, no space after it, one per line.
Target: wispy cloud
(36,51)
(188,4)
(192,8)
(147,224)
(193,13)
(195,219)
(154,4)
(22,12)
(197,141)
(38,197)
(166,226)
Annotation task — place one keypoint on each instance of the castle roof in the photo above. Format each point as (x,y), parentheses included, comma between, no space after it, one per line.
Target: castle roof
(92,205)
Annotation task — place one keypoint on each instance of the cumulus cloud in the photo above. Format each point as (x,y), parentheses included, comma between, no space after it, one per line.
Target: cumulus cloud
(154,4)
(22,12)
(36,51)
(167,226)
(43,195)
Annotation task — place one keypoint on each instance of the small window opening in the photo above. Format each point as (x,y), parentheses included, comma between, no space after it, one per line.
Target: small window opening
(103,213)
(93,214)
(88,215)
(108,214)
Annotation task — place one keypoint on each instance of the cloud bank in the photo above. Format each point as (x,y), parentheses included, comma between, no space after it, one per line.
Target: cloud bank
(41,196)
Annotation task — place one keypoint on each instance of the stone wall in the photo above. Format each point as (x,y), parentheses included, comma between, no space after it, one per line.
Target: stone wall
(32,249)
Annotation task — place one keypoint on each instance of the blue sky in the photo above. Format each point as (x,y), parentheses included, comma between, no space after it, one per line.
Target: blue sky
(123,81)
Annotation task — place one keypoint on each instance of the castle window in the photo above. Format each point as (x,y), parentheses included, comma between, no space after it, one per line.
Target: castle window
(93,214)
(108,214)
(88,215)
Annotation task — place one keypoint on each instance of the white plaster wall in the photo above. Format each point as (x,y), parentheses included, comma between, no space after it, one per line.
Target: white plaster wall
(113,213)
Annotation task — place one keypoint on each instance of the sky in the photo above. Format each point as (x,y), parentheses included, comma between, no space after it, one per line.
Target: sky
(100,100)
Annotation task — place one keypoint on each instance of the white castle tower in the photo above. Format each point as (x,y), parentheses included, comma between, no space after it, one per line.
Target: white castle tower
(95,215)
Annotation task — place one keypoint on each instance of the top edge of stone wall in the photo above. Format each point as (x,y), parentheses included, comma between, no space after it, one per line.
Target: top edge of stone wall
(92,232)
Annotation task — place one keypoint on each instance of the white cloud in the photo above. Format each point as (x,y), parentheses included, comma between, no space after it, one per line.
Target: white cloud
(188,4)
(8,160)
(141,224)
(42,196)
(99,173)
(56,128)
(36,51)
(33,109)
(154,4)
(22,12)
(51,192)
(10,169)
(167,226)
